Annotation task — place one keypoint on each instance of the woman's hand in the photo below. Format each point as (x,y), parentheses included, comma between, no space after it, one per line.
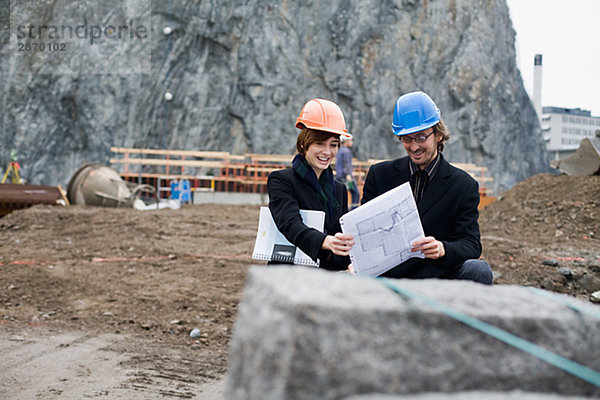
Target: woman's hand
(430,247)
(339,244)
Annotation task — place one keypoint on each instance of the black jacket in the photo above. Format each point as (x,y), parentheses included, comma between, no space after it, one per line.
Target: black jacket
(448,212)
(288,193)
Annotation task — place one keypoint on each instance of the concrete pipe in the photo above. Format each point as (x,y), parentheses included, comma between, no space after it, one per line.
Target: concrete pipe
(99,185)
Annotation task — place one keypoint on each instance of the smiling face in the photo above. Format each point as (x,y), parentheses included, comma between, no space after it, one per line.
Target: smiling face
(318,148)
(321,153)
(423,153)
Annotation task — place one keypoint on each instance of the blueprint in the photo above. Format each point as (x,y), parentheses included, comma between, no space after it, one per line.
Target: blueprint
(383,230)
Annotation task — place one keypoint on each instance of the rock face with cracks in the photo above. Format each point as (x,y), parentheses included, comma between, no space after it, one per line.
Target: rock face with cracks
(239,73)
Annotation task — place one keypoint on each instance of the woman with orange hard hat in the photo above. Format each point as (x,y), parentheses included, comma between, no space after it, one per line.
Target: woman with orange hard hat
(309,185)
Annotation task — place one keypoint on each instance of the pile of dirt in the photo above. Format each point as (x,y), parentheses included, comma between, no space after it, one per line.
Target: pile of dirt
(545,232)
(153,276)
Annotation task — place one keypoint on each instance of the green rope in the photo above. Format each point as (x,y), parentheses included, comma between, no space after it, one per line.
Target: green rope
(558,299)
(572,367)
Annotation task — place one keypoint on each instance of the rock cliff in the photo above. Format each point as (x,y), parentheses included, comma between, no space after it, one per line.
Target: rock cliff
(239,72)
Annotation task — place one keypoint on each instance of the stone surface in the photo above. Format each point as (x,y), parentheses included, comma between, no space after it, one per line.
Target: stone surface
(475,395)
(239,73)
(304,333)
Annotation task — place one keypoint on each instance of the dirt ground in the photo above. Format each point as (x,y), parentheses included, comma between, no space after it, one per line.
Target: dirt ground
(545,232)
(100,302)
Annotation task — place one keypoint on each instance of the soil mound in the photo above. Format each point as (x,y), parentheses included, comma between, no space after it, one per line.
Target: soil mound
(545,232)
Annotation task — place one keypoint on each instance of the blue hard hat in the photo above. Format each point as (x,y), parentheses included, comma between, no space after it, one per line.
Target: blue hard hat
(414,112)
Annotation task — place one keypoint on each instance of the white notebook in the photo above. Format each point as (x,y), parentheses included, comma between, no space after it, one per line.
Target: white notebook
(271,245)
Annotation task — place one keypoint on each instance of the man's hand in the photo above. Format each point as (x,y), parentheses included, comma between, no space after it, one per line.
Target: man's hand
(340,244)
(430,247)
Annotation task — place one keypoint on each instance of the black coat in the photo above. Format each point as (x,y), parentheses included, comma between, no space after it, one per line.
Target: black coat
(288,193)
(448,212)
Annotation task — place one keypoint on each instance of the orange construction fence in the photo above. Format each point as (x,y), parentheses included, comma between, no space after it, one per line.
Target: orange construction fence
(224,172)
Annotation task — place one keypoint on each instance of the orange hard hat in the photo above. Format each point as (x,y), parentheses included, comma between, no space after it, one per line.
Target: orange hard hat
(322,115)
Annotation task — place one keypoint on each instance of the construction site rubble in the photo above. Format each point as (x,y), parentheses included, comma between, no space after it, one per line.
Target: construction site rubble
(149,268)
(545,232)
(585,160)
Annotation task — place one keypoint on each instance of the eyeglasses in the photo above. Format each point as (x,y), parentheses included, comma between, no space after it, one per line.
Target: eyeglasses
(419,138)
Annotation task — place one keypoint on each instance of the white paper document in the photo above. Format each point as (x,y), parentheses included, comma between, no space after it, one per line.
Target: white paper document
(383,230)
(271,245)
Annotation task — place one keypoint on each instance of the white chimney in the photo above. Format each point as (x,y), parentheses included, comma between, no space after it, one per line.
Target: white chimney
(537,85)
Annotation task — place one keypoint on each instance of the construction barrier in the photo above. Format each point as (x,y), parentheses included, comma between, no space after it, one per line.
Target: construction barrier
(220,171)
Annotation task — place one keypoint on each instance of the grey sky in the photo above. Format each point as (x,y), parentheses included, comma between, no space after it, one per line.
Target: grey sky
(567,34)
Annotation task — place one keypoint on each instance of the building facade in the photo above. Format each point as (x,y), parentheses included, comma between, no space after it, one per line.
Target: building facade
(564,128)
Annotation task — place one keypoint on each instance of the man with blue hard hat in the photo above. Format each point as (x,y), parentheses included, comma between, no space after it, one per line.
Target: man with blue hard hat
(446,197)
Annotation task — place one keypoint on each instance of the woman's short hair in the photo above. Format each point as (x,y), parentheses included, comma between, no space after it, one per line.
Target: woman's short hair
(309,136)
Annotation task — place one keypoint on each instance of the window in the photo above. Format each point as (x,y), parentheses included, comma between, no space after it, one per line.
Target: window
(569,142)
